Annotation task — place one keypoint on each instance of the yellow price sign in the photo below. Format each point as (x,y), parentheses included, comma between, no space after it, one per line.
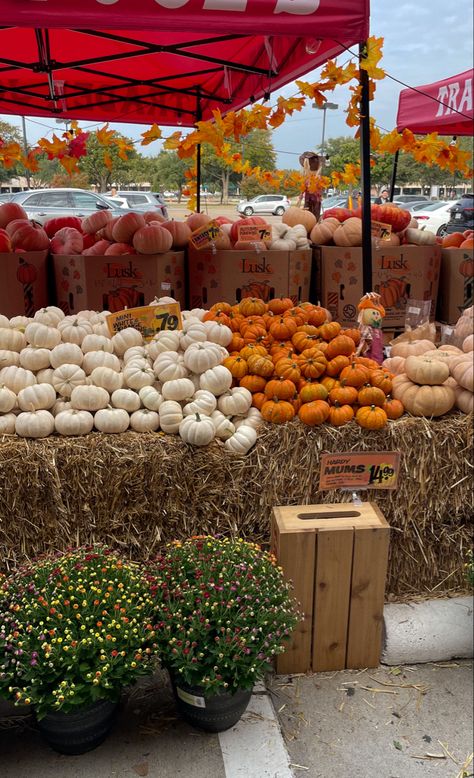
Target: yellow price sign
(381,230)
(253,233)
(203,237)
(147,319)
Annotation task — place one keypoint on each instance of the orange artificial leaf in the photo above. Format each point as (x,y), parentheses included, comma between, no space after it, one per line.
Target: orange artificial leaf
(69,164)
(55,149)
(10,153)
(338,74)
(312,90)
(108,162)
(30,162)
(154,133)
(373,55)
(123,145)
(390,143)
(172,143)
(104,135)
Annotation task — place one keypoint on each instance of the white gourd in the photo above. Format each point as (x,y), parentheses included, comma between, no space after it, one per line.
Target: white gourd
(252,419)
(68,377)
(197,430)
(16,378)
(36,397)
(107,378)
(66,354)
(178,389)
(7,424)
(73,422)
(51,316)
(9,358)
(223,426)
(164,341)
(95,359)
(12,340)
(34,359)
(34,424)
(193,332)
(101,329)
(111,420)
(126,339)
(19,322)
(7,399)
(169,366)
(74,330)
(4,322)
(126,399)
(218,333)
(89,398)
(236,402)
(96,343)
(144,420)
(133,352)
(216,380)
(200,357)
(150,397)
(171,416)
(137,376)
(242,440)
(59,406)
(45,376)
(194,377)
(91,316)
(42,336)
(203,402)
(282,244)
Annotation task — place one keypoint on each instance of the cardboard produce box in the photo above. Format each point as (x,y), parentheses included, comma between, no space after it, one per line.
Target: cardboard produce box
(455,284)
(231,275)
(114,283)
(23,283)
(398,273)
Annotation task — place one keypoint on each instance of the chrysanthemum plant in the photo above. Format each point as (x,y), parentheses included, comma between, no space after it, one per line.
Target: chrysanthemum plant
(223,611)
(74,628)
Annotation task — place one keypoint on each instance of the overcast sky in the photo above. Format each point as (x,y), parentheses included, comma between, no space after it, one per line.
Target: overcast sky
(424,41)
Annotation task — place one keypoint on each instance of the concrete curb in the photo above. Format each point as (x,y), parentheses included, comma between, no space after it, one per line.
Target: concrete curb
(428,631)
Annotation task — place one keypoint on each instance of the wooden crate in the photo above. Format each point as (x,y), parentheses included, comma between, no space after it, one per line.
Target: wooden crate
(336,556)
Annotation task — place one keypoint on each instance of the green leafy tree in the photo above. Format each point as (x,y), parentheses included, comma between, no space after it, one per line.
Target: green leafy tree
(169,172)
(256,148)
(10,134)
(97,171)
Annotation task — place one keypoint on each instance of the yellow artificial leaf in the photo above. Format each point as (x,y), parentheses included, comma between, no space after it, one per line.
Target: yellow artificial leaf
(10,153)
(30,162)
(154,133)
(338,74)
(172,142)
(55,149)
(69,164)
(104,135)
(123,146)
(373,55)
(313,91)
(390,143)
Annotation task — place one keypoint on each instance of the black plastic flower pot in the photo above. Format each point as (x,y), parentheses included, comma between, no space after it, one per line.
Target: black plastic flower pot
(79,731)
(213,713)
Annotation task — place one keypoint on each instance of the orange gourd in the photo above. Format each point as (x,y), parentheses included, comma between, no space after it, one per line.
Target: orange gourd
(371,395)
(330,330)
(371,417)
(260,365)
(288,368)
(252,348)
(252,306)
(283,328)
(258,399)
(254,383)
(277,411)
(312,363)
(237,366)
(280,387)
(314,413)
(337,364)
(393,408)
(343,395)
(313,390)
(279,305)
(341,345)
(355,375)
(382,379)
(340,414)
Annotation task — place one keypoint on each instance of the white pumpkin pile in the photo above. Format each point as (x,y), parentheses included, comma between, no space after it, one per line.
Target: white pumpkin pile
(65,374)
(286,238)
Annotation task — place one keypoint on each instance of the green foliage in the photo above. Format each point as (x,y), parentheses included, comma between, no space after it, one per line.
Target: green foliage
(10,134)
(256,148)
(169,172)
(98,173)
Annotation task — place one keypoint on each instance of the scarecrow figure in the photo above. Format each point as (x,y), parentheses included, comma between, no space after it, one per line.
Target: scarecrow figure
(312,165)
(371,313)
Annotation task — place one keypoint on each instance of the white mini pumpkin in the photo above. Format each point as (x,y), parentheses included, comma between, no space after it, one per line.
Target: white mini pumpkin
(137,376)
(19,322)
(42,335)
(253,418)
(34,424)
(4,322)
(126,399)
(51,316)
(216,380)
(150,397)
(242,440)
(107,378)
(171,416)
(111,420)
(95,359)
(7,424)
(144,420)
(73,422)
(45,376)
(178,389)
(12,340)
(96,343)
(203,402)
(37,397)
(74,330)
(7,399)
(66,354)
(9,358)
(193,332)
(197,430)
(236,402)
(223,426)
(125,339)
(59,406)
(32,358)
(164,341)
(218,333)
(169,366)
(200,357)
(67,377)
(134,352)
(89,398)
(16,378)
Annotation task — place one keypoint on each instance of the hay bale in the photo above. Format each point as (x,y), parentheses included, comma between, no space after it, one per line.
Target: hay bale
(137,491)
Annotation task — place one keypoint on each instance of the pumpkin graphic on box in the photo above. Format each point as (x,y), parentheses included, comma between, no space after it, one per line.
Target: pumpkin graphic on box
(121,298)
(259,289)
(466,268)
(392,291)
(26,275)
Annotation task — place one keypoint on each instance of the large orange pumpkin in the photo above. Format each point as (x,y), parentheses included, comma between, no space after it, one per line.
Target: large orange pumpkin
(349,233)
(126,226)
(152,239)
(294,216)
(180,232)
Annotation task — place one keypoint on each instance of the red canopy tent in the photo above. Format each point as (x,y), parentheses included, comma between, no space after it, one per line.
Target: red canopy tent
(445,107)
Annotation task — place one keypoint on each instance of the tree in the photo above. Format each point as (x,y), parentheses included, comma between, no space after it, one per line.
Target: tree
(9,134)
(169,172)
(97,171)
(256,148)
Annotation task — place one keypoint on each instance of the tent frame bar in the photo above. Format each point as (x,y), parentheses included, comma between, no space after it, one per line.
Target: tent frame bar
(365,174)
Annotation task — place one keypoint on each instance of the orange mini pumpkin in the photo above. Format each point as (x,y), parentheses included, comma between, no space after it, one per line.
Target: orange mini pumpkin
(316,315)
(355,375)
(252,306)
(341,345)
(313,390)
(312,365)
(353,334)
(371,417)
(340,414)
(314,413)
(224,307)
(260,365)
(251,321)
(277,411)
(254,333)
(337,364)
(254,383)
(343,395)
(329,383)
(288,368)
(237,343)
(371,395)
(258,399)
(280,387)
(219,316)
(302,340)
(330,330)
(393,408)
(283,328)
(252,348)
(279,305)
(382,380)
(237,366)
(235,319)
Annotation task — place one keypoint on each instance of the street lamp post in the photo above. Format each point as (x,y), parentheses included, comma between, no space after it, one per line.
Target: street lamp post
(325,107)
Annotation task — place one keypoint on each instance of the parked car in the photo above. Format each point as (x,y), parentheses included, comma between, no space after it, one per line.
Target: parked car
(462,215)
(5,197)
(44,204)
(411,205)
(144,201)
(410,198)
(434,217)
(274,204)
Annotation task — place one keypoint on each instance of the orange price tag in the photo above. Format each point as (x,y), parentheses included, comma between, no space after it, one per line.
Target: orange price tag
(368,470)
(253,233)
(203,237)
(381,230)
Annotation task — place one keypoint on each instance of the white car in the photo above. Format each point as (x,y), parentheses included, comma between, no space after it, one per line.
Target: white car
(434,217)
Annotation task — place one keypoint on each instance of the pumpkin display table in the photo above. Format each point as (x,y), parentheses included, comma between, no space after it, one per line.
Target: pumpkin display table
(138,491)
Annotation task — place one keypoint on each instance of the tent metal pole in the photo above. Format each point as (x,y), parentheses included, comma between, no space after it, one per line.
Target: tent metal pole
(198,156)
(365,174)
(394,174)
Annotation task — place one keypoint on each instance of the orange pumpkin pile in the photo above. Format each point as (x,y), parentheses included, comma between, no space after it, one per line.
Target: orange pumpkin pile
(295,361)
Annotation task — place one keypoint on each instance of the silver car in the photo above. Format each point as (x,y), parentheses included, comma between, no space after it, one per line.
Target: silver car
(266,203)
(144,201)
(44,204)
